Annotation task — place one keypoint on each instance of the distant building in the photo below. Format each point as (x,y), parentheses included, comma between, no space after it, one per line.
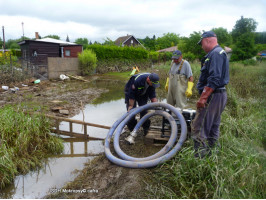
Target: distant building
(128,40)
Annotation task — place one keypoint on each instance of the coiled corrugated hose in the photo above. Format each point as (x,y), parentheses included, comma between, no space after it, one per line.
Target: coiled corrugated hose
(166,153)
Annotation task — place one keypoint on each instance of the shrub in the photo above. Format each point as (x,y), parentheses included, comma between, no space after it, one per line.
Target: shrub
(87,61)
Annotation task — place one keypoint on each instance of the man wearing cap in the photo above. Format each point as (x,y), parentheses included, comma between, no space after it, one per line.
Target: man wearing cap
(139,89)
(179,84)
(211,86)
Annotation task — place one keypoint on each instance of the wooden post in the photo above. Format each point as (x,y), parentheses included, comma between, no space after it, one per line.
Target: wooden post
(85,131)
(71,128)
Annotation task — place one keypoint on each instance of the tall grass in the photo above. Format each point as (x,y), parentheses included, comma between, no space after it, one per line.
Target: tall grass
(237,170)
(24,142)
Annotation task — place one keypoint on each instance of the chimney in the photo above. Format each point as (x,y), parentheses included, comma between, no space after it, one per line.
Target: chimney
(36,35)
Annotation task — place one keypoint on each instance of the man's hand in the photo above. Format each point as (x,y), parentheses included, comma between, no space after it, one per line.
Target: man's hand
(204,97)
(130,104)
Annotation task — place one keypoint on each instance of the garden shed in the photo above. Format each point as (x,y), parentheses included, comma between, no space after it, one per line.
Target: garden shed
(35,54)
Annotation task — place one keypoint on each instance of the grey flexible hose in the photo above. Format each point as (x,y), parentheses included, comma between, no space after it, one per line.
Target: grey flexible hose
(163,155)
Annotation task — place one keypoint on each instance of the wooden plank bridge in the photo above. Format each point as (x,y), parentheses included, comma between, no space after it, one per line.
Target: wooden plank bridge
(71,133)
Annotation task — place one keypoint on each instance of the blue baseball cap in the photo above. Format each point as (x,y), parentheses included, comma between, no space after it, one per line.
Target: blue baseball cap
(176,54)
(206,35)
(154,78)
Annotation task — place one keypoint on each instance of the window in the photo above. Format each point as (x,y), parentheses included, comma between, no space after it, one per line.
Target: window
(67,52)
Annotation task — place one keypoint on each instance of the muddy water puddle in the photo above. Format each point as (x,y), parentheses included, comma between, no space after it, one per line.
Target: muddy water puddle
(57,171)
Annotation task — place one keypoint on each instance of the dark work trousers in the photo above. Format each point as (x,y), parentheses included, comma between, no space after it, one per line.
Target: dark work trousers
(132,122)
(205,126)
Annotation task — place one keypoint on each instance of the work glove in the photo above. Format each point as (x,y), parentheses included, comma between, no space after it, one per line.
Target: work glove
(166,85)
(189,89)
(204,97)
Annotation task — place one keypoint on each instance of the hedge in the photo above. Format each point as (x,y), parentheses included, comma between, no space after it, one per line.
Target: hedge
(116,52)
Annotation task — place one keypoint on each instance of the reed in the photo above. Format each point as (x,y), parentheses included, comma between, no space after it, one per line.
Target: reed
(24,142)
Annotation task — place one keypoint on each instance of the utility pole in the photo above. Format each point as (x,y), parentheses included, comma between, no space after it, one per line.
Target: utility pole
(22,30)
(4,43)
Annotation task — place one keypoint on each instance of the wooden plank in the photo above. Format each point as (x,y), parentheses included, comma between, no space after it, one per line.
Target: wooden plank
(76,155)
(78,122)
(77,135)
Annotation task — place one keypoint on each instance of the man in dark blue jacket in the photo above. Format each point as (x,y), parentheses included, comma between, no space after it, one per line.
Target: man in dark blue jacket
(211,86)
(139,89)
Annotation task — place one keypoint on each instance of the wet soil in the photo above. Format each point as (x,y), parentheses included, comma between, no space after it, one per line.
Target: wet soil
(68,96)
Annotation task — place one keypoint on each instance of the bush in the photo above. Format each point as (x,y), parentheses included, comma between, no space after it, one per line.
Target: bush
(87,61)
(189,56)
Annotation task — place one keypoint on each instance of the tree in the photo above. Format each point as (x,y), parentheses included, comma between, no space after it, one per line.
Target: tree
(149,43)
(53,36)
(82,41)
(244,39)
(224,38)
(167,40)
(244,47)
(189,45)
(108,41)
(260,37)
(67,39)
(244,25)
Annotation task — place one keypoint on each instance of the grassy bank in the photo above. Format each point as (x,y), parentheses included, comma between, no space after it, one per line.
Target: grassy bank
(238,169)
(24,142)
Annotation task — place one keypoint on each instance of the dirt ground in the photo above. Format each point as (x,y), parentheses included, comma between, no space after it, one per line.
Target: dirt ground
(68,96)
(100,178)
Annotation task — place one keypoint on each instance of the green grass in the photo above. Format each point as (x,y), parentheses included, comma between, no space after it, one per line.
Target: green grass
(238,169)
(24,142)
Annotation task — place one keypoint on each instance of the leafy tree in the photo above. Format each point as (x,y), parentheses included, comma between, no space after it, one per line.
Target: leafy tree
(108,41)
(52,36)
(13,44)
(189,46)
(244,39)
(149,43)
(167,40)
(260,37)
(82,41)
(224,38)
(245,47)
(244,25)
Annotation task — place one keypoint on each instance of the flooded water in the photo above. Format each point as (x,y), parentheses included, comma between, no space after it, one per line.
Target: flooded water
(57,171)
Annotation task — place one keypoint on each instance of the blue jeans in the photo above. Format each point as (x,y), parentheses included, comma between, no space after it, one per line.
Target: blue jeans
(205,126)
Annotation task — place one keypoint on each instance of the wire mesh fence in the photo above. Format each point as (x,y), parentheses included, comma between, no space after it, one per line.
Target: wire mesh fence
(13,69)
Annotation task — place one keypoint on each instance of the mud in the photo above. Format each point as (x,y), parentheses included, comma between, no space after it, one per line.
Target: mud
(53,96)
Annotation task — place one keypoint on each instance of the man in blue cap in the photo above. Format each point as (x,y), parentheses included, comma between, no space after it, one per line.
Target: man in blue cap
(211,86)
(139,89)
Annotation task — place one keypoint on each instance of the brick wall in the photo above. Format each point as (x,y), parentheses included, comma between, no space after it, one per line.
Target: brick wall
(57,66)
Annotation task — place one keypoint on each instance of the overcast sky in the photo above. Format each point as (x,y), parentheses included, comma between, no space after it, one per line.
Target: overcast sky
(98,20)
